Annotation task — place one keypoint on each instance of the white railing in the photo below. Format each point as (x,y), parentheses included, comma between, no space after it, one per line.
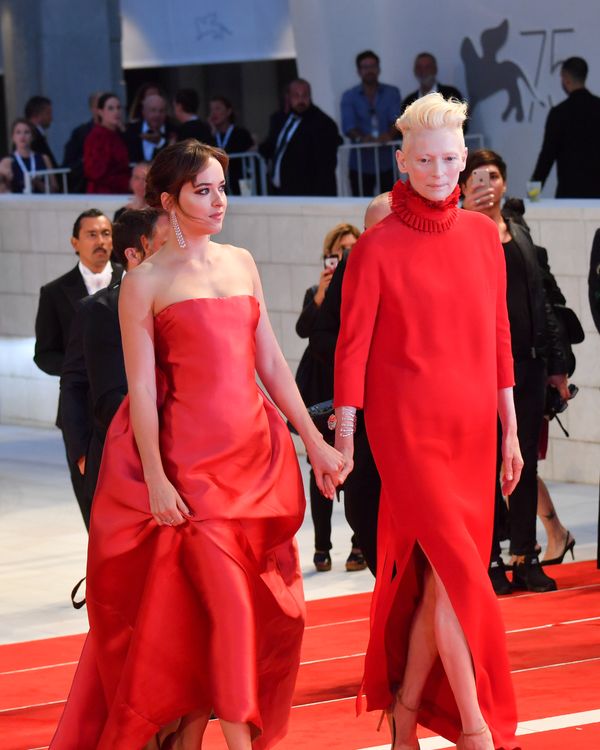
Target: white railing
(45,174)
(473,142)
(362,149)
(254,172)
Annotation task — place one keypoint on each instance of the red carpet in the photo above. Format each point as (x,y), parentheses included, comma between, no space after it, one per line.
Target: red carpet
(554,644)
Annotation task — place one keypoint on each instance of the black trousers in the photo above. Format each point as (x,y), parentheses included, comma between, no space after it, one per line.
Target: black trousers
(361,504)
(386,182)
(79,488)
(529,394)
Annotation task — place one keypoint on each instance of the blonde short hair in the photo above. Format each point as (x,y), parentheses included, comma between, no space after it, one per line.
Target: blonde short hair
(432,112)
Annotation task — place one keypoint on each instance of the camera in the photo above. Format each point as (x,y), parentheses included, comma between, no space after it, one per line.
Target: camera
(555,403)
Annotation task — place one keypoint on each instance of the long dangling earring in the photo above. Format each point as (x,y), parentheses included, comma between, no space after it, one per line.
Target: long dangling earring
(177,229)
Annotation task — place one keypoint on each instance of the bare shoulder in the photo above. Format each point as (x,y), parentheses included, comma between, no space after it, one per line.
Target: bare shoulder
(139,285)
(236,253)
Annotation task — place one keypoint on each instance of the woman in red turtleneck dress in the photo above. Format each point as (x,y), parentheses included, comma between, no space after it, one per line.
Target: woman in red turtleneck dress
(424,349)
(105,156)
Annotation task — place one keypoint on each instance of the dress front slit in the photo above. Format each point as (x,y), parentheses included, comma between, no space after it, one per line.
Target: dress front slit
(424,347)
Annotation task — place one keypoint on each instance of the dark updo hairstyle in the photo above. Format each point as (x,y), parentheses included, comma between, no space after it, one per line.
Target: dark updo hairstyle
(177,165)
(130,227)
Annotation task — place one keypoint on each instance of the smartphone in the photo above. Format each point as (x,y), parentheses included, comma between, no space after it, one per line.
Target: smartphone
(331,262)
(480,178)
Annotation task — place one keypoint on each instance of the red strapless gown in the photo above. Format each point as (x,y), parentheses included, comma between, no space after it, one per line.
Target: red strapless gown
(209,613)
(424,346)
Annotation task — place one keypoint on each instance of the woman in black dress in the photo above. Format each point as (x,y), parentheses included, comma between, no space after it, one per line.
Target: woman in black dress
(232,138)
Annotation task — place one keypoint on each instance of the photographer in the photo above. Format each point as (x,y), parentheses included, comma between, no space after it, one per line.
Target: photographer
(539,359)
(315,382)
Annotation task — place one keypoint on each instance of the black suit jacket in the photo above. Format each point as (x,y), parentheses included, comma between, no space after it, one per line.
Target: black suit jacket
(195,129)
(105,369)
(56,311)
(445,91)
(73,157)
(74,404)
(93,382)
(308,165)
(571,140)
(135,144)
(39,144)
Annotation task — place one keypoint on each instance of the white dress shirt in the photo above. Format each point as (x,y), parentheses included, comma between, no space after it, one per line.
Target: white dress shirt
(94,282)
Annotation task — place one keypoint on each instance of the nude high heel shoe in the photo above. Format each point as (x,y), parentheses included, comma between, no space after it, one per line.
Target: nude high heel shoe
(393,724)
(460,745)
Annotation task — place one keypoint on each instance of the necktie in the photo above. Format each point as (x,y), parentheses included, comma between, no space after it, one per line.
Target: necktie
(285,136)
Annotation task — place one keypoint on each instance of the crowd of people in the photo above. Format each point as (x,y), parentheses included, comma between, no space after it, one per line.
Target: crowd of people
(185,473)
(301,142)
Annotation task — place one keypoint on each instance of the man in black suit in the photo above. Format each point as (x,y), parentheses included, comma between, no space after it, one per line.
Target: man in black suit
(146,137)
(594,280)
(38,111)
(92,242)
(425,70)
(93,381)
(302,147)
(571,137)
(185,106)
(73,155)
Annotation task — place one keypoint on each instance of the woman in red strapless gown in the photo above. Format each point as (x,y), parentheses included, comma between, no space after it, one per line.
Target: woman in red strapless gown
(424,349)
(194,590)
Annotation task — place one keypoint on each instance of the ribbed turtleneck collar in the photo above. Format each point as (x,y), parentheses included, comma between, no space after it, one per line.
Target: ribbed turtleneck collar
(422,214)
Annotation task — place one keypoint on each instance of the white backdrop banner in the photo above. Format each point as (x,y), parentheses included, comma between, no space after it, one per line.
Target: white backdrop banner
(504,57)
(193,32)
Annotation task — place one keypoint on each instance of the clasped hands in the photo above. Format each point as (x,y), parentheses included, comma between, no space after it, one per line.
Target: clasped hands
(331,465)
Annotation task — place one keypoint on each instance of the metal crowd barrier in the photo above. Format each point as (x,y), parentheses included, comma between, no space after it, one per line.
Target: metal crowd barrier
(254,171)
(46,173)
(473,141)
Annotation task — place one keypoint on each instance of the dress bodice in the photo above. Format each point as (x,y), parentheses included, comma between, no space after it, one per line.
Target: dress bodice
(206,345)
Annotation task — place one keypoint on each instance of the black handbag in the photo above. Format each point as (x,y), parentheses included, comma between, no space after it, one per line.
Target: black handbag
(321,414)
(570,322)
(570,332)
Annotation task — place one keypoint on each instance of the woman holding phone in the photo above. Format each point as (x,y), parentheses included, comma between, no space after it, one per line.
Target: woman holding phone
(315,381)
(424,317)
(540,360)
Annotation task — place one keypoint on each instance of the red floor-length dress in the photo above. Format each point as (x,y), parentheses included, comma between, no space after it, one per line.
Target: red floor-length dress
(424,347)
(209,613)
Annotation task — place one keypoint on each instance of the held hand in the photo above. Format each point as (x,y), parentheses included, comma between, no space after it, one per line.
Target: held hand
(561,383)
(512,463)
(327,464)
(477,198)
(324,281)
(166,505)
(345,445)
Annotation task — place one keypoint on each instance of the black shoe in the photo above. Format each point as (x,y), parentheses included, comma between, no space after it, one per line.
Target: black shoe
(528,575)
(322,561)
(569,545)
(497,574)
(356,560)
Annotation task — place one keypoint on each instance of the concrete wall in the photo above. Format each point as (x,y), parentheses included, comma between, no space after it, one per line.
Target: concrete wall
(285,236)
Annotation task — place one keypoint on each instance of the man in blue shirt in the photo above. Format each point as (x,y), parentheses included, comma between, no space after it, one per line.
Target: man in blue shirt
(369,112)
